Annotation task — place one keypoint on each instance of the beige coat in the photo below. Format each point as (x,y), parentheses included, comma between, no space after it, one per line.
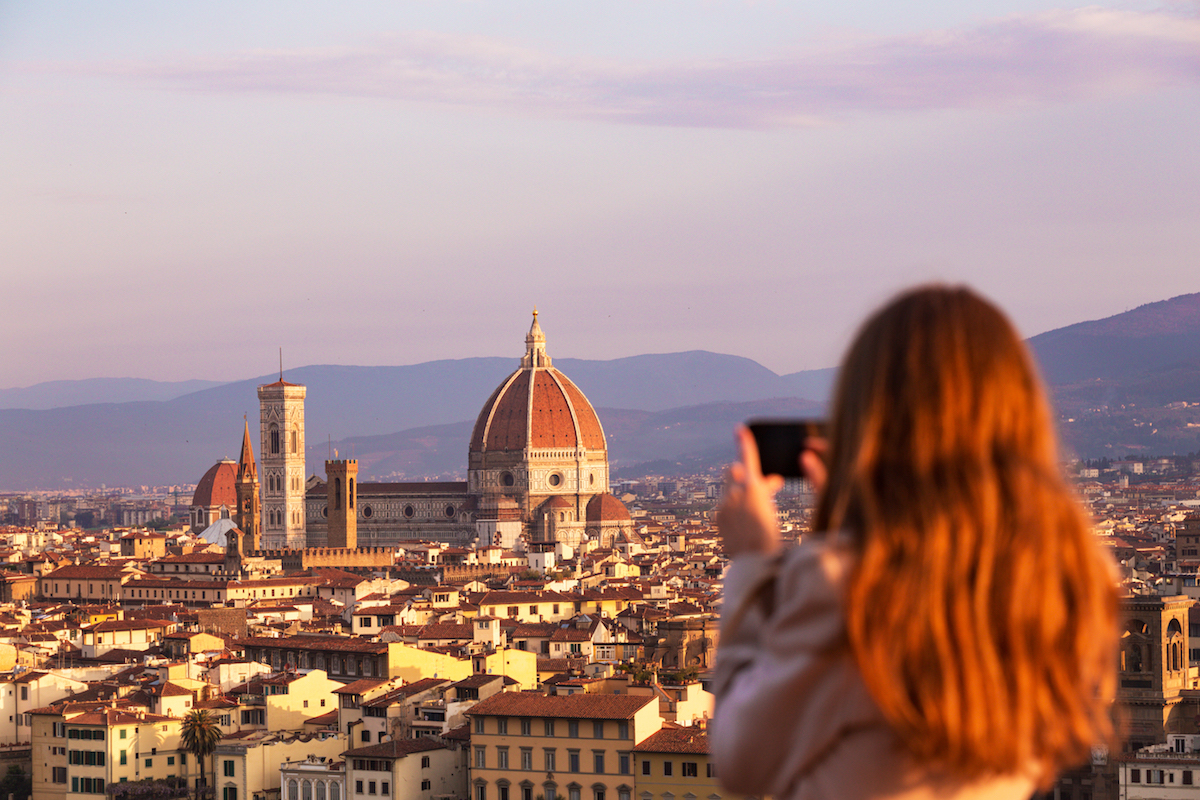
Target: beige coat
(793,718)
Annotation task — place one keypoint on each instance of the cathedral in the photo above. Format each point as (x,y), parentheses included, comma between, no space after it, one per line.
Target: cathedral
(537,478)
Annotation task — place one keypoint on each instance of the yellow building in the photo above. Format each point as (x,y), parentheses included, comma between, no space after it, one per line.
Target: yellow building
(577,747)
(248,766)
(673,763)
(81,748)
(402,769)
(284,701)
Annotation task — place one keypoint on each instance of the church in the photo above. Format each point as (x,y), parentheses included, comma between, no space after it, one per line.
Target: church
(537,478)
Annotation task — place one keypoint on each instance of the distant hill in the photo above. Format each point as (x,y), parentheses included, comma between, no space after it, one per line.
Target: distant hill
(175,441)
(1112,378)
(59,394)
(1122,346)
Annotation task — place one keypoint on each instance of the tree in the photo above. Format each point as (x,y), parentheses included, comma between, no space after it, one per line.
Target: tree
(199,735)
(16,783)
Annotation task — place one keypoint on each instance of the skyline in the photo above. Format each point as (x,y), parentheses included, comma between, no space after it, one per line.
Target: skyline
(190,189)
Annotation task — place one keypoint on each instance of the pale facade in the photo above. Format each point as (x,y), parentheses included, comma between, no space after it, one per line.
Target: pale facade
(578,747)
(282,482)
(79,752)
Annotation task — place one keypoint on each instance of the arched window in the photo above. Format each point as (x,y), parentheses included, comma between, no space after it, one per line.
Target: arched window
(335,791)
(295,438)
(306,791)
(320,790)
(274,437)
(293,790)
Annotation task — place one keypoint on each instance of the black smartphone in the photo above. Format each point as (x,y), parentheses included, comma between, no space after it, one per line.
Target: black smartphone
(781,441)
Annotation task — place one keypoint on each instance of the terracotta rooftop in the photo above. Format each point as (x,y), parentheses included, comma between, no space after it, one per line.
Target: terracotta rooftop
(397,748)
(671,739)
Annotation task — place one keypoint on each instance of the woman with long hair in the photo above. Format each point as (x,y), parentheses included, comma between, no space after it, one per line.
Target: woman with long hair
(950,628)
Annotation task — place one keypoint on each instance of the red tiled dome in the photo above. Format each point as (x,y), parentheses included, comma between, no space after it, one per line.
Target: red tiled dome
(537,407)
(217,487)
(606,508)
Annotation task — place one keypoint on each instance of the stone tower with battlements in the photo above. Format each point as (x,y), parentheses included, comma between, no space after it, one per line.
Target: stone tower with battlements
(281,415)
(341,485)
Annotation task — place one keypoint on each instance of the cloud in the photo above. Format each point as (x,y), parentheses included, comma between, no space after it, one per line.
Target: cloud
(1049,57)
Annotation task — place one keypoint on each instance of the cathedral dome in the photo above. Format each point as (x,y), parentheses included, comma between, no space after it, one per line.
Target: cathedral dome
(537,407)
(606,508)
(216,488)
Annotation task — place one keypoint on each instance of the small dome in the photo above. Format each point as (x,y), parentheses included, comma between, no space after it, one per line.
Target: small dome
(217,487)
(606,508)
(558,501)
(215,533)
(537,407)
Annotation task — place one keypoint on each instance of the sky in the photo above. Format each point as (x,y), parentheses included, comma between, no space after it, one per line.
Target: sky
(186,188)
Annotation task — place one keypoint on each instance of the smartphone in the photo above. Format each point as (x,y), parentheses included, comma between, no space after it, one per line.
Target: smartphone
(781,441)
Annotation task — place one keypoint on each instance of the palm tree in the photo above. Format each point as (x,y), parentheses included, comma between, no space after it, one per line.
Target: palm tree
(200,734)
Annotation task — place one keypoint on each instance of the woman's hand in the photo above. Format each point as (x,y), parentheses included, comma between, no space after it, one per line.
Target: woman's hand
(747,518)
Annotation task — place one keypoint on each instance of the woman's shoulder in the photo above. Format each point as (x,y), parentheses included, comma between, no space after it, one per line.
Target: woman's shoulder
(825,558)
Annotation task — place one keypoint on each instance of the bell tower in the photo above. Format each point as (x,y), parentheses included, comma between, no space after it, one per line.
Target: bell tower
(281,422)
(341,484)
(246,487)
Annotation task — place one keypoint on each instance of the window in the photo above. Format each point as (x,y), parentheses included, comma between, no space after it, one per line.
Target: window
(1154,776)
(598,793)
(366,736)
(526,727)
(573,793)
(480,758)
(1187,777)
(572,761)
(24,692)
(481,792)
(598,729)
(623,794)
(170,761)
(371,787)
(549,727)
(426,785)
(501,758)
(622,730)
(502,726)
(710,770)
(123,758)
(149,763)
(690,769)
(645,767)
(527,758)
(573,728)
(513,611)
(551,792)
(479,724)
(424,762)
(502,791)
(358,787)
(1135,775)
(549,761)
(229,769)
(623,763)
(60,774)
(598,762)
(229,793)
(668,768)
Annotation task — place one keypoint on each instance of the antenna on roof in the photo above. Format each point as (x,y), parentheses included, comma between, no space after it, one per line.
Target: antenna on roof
(281,364)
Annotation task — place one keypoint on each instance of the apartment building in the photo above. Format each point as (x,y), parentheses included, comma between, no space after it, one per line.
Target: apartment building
(79,749)
(577,747)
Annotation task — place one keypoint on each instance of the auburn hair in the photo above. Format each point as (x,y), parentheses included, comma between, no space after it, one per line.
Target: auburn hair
(981,611)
